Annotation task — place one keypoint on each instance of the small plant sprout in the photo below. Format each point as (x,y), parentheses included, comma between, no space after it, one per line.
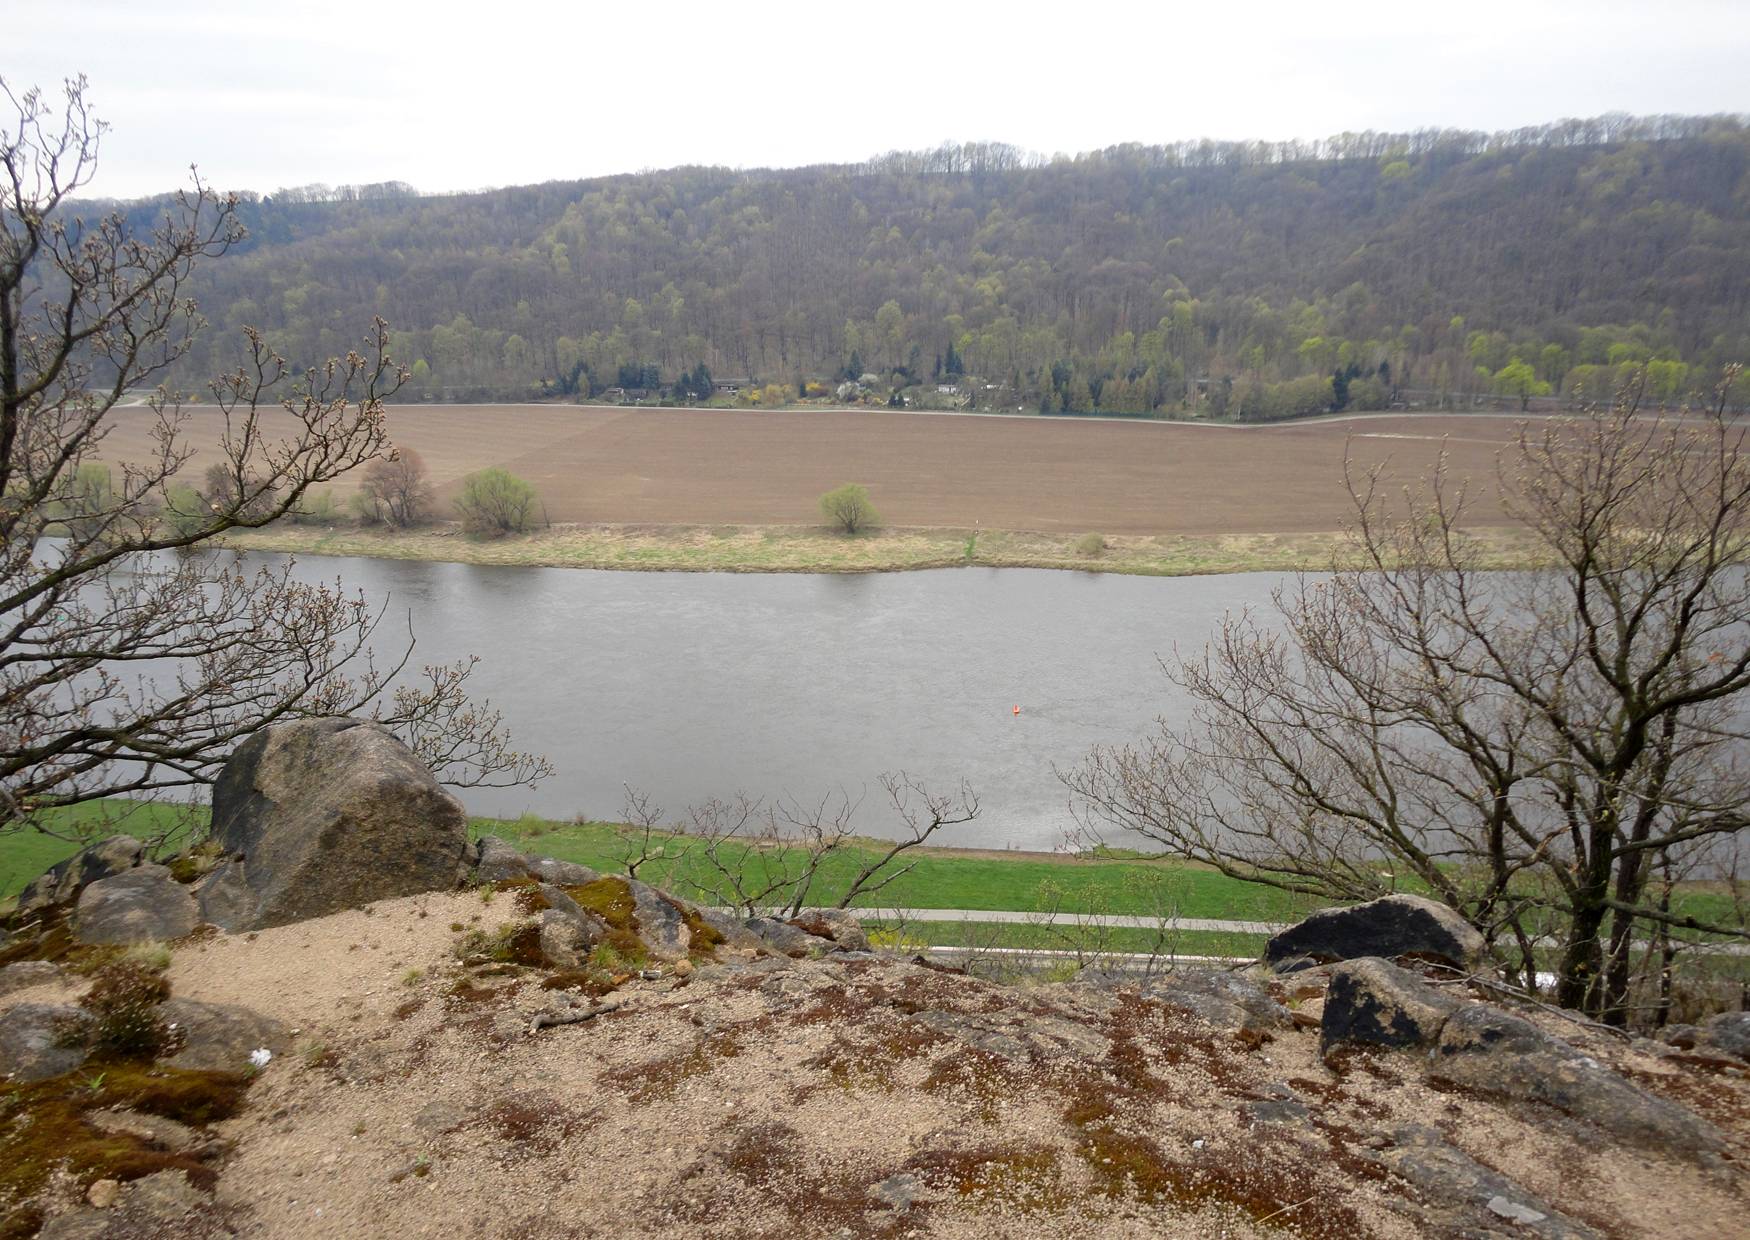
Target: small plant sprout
(413,977)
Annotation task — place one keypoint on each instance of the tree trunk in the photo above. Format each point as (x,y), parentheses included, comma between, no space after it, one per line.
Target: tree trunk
(1577,979)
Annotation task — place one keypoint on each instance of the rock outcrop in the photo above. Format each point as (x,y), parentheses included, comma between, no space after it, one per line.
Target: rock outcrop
(1391,927)
(497,860)
(1481,1047)
(1487,1049)
(1372,1002)
(219,1037)
(322,815)
(34,1045)
(63,884)
(141,905)
(24,974)
(1727,1034)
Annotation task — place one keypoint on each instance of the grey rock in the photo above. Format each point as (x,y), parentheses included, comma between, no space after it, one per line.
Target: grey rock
(1683,1037)
(80,1224)
(566,938)
(1457,1189)
(23,974)
(1495,1052)
(219,1037)
(897,1192)
(442,1116)
(141,905)
(1224,1000)
(1392,926)
(166,1134)
(226,899)
(1728,1032)
(332,814)
(660,923)
(1276,1111)
(1015,1037)
(789,940)
(163,1203)
(735,933)
(63,883)
(496,860)
(561,873)
(1514,1212)
(30,1041)
(837,924)
(558,899)
(1372,1002)
(165,1196)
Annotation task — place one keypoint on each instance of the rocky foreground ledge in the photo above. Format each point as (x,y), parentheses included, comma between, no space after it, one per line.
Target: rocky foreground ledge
(538,1050)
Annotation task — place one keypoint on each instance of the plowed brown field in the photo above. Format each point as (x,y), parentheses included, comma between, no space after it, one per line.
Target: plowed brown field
(736,467)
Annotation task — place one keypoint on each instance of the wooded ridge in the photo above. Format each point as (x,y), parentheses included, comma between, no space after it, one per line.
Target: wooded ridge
(1254,280)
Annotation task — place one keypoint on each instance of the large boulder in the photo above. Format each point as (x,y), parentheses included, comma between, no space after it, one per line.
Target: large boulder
(1392,926)
(1372,1002)
(1494,1052)
(63,884)
(326,815)
(141,905)
(35,1042)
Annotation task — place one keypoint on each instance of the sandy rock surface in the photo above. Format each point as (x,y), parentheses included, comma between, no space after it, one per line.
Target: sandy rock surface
(860,1095)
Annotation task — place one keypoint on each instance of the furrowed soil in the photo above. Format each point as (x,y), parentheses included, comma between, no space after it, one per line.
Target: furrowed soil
(598,466)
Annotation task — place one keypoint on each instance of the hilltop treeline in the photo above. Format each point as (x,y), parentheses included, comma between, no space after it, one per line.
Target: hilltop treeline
(1253,279)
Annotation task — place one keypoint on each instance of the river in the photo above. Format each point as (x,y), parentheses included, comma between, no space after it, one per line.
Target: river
(694,685)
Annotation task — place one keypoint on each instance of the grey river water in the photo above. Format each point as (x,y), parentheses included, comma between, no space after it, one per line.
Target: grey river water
(693,685)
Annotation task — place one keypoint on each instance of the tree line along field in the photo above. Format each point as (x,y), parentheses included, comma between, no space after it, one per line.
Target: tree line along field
(733,467)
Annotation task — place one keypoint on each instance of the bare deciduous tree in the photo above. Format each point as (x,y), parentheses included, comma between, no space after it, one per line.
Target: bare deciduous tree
(765,859)
(396,490)
(1529,747)
(127,671)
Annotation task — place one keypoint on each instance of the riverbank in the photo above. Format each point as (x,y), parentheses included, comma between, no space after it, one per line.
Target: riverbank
(814,549)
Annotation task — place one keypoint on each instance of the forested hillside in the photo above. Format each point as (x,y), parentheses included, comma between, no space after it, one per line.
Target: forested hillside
(1252,280)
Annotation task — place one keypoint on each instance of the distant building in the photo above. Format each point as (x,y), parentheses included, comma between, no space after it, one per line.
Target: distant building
(726,389)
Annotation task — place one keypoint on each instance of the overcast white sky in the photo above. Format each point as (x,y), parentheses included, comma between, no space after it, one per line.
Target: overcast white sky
(262,95)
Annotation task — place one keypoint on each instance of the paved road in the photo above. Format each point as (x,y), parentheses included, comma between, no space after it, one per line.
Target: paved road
(1011,917)
(1118,920)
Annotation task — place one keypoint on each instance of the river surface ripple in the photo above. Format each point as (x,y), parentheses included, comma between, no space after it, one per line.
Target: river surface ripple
(694,685)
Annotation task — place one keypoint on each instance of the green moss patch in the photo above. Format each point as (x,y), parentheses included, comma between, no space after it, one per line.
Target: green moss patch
(43,1126)
(517,943)
(1011,1177)
(611,900)
(52,940)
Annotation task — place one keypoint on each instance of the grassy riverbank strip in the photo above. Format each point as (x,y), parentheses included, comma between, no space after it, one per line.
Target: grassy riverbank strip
(1063,897)
(813,549)
(939,878)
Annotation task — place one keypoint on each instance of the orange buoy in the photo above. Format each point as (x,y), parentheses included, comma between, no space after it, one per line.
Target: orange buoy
(1017,710)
